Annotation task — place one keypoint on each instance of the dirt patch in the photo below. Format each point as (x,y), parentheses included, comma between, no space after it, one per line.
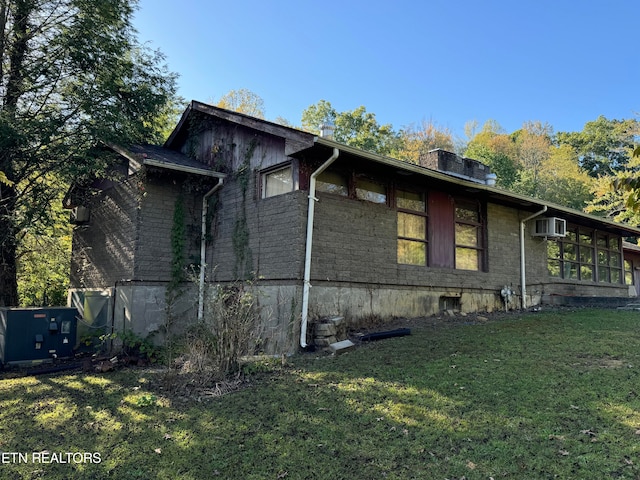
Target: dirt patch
(592,362)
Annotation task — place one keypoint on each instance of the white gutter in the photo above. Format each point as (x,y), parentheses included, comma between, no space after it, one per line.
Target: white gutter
(203,247)
(307,257)
(523,278)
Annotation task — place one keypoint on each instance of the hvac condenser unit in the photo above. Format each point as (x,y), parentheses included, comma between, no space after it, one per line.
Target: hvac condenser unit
(549,227)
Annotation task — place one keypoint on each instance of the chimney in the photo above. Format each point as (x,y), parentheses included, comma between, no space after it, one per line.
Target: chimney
(457,166)
(326,130)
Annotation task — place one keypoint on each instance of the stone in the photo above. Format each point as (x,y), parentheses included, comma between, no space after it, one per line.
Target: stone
(325,329)
(342,347)
(324,341)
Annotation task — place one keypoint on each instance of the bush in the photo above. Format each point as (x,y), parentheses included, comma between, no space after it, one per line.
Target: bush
(227,332)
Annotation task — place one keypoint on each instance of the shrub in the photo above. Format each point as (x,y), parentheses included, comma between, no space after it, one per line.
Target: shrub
(227,332)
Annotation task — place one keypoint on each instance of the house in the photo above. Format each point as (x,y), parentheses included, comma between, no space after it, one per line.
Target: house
(325,229)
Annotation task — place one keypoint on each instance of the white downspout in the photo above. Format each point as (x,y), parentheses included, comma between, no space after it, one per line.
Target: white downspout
(307,258)
(523,278)
(203,247)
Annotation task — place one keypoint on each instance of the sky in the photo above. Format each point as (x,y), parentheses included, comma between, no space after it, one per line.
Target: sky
(565,62)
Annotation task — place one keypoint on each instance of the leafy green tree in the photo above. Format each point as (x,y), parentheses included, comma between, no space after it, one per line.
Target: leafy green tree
(533,144)
(604,146)
(73,78)
(618,196)
(44,255)
(494,147)
(561,180)
(357,128)
(321,113)
(243,101)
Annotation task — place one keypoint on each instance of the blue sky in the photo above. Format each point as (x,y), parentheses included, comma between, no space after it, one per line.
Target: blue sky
(564,62)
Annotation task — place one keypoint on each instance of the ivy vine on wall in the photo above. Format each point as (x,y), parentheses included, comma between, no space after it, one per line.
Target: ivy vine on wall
(242,250)
(178,239)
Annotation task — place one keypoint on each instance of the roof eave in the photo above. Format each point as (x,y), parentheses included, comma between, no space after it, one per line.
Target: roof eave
(182,168)
(527,203)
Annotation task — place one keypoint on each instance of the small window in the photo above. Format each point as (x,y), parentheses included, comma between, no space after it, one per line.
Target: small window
(371,191)
(277,182)
(332,182)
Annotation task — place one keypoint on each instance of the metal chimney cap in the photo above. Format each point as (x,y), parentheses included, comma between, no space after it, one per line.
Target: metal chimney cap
(326,130)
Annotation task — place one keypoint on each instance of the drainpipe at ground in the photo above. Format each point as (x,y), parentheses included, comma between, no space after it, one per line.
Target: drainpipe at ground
(307,258)
(523,275)
(203,247)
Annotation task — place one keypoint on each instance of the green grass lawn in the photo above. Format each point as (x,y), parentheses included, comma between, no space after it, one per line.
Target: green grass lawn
(547,395)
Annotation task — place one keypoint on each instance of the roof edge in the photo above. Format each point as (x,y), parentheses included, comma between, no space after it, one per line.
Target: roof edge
(304,139)
(529,203)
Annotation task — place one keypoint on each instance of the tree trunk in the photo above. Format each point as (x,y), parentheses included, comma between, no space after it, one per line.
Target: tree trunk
(8,267)
(15,52)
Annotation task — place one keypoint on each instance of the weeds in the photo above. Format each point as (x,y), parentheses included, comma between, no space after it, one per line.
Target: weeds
(214,346)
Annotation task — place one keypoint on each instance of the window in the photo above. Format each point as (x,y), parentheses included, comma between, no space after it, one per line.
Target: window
(574,256)
(609,259)
(468,235)
(370,191)
(412,228)
(628,272)
(332,182)
(277,182)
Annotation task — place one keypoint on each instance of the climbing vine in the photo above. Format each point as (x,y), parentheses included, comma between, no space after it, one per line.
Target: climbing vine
(178,236)
(174,290)
(240,240)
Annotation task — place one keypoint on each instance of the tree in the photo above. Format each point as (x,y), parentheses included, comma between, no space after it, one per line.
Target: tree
(533,144)
(418,140)
(243,101)
(314,116)
(73,78)
(603,146)
(492,146)
(618,196)
(357,128)
(561,180)
(43,259)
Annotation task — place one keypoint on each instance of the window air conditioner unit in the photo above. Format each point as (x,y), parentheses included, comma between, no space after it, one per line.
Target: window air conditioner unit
(80,216)
(549,227)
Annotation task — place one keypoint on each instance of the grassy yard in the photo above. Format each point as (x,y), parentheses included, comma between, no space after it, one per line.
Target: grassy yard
(535,396)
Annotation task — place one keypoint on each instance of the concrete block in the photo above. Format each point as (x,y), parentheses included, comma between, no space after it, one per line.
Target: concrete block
(324,341)
(325,329)
(341,347)
(337,321)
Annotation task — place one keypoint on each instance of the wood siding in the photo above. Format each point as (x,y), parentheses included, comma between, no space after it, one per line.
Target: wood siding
(442,241)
